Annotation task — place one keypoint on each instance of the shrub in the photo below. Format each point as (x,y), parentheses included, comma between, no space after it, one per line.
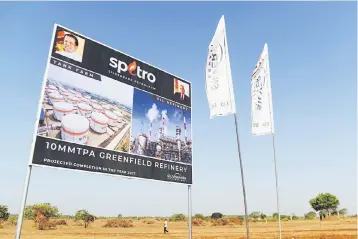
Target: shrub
(59,222)
(199,216)
(310,215)
(148,221)
(220,222)
(118,223)
(177,218)
(12,220)
(236,221)
(216,215)
(4,214)
(198,222)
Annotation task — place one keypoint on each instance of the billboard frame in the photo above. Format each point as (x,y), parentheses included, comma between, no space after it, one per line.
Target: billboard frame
(34,136)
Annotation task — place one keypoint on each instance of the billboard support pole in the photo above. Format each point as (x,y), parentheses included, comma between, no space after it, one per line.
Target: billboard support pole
(23,202)
(189,212)
(242,179)
(276,177)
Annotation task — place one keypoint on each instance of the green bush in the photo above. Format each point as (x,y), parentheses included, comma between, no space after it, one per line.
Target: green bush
(177,218)
(199,216)
(216,215)
(4,213)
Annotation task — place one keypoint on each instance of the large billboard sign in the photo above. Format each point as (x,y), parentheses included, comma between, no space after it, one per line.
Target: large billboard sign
(106,112)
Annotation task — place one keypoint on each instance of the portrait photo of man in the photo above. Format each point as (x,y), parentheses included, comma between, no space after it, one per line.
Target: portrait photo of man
(68,46)
(181,92)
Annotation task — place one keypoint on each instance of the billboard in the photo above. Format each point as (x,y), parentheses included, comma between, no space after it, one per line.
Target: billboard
(106,112)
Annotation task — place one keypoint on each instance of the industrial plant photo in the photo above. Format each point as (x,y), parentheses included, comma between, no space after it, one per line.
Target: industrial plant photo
(82,110)
(160,130)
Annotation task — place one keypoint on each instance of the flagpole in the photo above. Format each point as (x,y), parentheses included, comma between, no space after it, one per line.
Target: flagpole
(242,179)
(277,195)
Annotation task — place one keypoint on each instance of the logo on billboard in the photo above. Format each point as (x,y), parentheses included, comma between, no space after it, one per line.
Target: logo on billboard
(176,177)
(133,69)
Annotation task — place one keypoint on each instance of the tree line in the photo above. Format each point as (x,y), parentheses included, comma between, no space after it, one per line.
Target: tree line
(324,204)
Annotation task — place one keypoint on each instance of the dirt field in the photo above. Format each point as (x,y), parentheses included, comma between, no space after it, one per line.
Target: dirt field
(343,229)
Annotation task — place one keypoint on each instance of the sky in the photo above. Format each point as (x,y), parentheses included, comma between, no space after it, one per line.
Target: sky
(312,50)
(147,109)
(106,87)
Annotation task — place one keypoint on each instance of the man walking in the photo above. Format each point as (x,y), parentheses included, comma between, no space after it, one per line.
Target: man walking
(165,226)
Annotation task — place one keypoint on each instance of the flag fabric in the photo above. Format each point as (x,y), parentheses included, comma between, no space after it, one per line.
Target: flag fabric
(218,82)
(261,98)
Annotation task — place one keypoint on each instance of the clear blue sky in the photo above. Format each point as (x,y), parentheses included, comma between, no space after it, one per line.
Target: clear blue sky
(312,49)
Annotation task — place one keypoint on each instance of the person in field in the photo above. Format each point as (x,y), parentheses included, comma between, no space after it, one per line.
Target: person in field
(165,226)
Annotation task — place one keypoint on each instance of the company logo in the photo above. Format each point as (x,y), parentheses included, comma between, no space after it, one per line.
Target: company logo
(176,177)
(132,69)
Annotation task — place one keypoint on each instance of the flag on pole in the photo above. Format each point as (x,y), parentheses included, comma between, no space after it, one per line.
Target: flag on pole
(218,82)
(261,99)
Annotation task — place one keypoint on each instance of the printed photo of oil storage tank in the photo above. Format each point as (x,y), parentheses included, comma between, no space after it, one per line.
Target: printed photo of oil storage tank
(160,130)
(82,110)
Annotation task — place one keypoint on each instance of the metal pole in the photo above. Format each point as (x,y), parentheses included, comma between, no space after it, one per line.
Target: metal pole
(242,179)
(189,212)
(23,203)
(277,196)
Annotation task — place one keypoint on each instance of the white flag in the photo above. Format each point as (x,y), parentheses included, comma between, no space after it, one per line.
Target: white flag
(219,88)
(261,100)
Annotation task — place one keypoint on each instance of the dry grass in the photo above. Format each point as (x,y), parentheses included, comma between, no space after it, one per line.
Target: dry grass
(118,223)
(342,229)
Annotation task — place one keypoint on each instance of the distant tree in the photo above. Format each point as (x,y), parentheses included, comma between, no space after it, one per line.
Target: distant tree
(199,216)
(120,216)
(256,215)
(41,214)
(43,208)
(4,213)
(216,215)
(83,215)
(178,217)
(341,212)
(310,215)
(324,202)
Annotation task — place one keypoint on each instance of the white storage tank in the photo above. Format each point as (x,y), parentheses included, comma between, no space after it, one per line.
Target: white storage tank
(85,109)
(73,92)
(72,100)
(75,128)
(112,118)
(52,87)
(97,107)
(106,107)
(65,94)
(85,100)
(55,97)
(99,122)
(61,109)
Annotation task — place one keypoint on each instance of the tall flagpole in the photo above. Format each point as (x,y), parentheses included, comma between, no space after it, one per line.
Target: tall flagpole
(220,92)
(274,154)
(277,195)
(242,179)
